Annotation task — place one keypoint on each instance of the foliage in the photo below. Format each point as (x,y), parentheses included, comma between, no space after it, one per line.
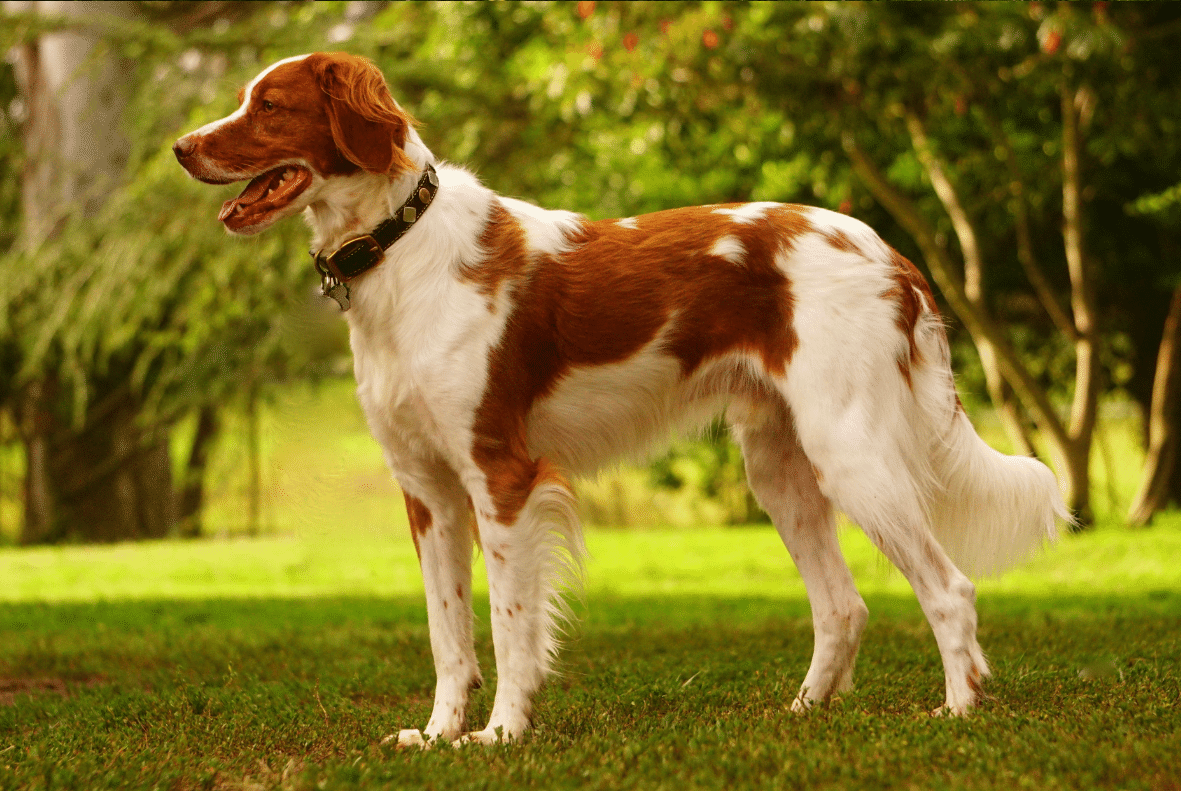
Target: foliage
(610,109)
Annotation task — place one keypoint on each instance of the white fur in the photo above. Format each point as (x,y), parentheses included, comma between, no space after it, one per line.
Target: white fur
(747,213)
(840,429)
(729,248)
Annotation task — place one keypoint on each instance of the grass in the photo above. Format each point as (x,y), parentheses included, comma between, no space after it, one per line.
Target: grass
(281,661)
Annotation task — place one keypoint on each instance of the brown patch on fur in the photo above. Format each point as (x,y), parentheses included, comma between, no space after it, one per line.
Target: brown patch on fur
(459,591)
(975,680)
(934,557)
(840,240)
(419,517)
(609,296)
(505,253)
(498,556)
(913,296)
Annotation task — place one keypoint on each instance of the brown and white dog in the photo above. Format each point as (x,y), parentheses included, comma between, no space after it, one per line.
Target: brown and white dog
(499,348)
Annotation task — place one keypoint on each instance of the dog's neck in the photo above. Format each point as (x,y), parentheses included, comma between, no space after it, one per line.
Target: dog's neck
(348,206)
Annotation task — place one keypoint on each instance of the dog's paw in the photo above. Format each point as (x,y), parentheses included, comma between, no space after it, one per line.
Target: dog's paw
(803,704)
(496,735)
(407,738)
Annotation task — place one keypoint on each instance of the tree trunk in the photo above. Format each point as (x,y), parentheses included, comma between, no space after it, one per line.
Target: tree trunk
(1153,493)
(192,500)
(1084,408)
(999,392)
(33,420)
(109,478)
(254,463)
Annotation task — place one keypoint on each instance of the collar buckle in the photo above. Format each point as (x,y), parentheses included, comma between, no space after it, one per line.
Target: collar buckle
(365,247)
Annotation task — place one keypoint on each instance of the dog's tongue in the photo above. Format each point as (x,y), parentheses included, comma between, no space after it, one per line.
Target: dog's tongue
(255,190)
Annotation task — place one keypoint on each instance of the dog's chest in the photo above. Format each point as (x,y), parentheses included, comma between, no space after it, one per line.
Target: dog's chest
(421,372)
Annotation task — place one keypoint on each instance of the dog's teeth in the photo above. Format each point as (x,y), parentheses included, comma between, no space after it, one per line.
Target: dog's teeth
(288,173)
(268,193)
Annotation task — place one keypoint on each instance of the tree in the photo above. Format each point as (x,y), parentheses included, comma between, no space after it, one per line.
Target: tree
(120,314)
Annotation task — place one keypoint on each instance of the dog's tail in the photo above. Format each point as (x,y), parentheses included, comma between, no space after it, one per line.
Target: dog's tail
(987,510)
(990,510)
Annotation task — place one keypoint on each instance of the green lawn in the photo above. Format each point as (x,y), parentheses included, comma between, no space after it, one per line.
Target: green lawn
(281,661)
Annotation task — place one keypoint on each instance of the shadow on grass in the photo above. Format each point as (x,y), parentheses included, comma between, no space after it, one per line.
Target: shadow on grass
(297,693)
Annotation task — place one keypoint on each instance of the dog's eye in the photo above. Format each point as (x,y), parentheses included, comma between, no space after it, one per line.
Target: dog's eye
(268,106)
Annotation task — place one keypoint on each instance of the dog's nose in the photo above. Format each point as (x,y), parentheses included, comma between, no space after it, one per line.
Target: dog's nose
(183,147)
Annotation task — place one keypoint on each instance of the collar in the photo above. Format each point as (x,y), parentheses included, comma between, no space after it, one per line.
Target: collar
(359,255)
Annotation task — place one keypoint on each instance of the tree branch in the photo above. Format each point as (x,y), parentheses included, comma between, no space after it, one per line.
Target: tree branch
(1025,255)
(1162,431)
(973,281)
(978,322)
(1082,299)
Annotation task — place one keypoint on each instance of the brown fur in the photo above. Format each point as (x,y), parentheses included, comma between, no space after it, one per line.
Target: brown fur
(419,516)
(367,126)
(609,296)
(910,306)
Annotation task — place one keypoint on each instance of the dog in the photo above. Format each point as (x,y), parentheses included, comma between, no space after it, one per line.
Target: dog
(499,348)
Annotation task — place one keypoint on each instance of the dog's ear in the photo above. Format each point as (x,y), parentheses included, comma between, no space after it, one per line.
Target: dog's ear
(368,128)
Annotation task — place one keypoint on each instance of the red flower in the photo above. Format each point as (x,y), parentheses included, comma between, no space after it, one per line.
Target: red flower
(1051,43)
(709,39)
(586,8)
(630,41)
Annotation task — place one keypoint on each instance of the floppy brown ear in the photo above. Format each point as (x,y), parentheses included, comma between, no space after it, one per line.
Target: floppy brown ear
(367,127)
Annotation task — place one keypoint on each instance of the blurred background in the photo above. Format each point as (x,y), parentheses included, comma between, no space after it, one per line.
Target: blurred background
(161,379)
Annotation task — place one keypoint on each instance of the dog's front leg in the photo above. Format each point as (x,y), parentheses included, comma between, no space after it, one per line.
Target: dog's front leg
(532,546)
(440,523)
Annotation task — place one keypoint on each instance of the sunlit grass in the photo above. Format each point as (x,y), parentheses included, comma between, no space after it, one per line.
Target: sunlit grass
(280,661)
(729,562)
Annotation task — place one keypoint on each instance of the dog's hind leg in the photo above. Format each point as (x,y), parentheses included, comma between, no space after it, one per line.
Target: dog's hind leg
(784,482)
(532,543)
(440,523)
(869,476)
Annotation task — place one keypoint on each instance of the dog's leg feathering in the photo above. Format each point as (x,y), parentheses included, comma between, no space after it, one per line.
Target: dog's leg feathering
(530,556)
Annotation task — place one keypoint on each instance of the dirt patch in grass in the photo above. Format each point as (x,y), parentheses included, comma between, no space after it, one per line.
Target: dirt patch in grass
(11,687)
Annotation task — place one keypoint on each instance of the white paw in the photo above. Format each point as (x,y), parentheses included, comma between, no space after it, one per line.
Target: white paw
(408,737)
(801,705)
(489,736)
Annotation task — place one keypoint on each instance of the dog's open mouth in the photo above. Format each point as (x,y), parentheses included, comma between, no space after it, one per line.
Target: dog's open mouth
(264,196)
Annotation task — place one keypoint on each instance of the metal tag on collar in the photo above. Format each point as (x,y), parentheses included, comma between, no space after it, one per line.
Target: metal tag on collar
(331,287)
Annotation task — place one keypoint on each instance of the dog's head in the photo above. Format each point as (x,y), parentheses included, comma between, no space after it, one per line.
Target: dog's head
(301,121)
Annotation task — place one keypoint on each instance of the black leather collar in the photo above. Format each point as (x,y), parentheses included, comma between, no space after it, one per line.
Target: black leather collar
(359,255)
